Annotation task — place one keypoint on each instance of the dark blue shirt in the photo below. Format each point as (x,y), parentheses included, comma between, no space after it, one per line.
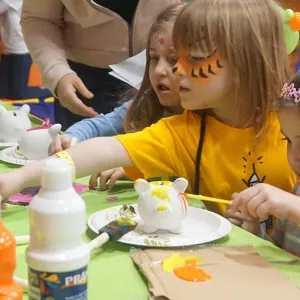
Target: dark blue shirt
(124,8)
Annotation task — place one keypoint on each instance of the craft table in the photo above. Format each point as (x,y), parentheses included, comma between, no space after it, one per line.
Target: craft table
(112,275)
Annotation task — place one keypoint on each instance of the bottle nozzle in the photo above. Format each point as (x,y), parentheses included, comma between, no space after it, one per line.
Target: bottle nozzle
(56,174)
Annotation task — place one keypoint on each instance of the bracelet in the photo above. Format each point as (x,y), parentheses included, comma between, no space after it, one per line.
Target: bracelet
(65,155)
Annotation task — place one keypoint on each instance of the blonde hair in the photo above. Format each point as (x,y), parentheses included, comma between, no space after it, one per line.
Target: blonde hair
(146,108)
(249,35)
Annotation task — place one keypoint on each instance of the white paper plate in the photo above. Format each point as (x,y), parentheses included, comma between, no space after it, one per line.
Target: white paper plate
(7,145)
(200,226)
(11,155)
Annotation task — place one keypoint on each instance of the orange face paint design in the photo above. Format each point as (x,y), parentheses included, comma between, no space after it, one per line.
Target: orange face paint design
(201,72)
(191,273)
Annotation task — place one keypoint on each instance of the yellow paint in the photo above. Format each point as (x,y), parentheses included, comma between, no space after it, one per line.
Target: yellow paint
(161,193)
(162,207)
(177,260)
(125,222)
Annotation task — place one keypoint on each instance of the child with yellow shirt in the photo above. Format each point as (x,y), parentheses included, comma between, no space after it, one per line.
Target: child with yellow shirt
(231,67)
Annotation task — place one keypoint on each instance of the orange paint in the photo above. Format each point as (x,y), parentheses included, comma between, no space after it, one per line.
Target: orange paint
(295,21)
(191,273)
(8,288)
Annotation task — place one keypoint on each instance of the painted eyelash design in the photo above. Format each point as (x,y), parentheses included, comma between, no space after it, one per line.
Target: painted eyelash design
(201,72)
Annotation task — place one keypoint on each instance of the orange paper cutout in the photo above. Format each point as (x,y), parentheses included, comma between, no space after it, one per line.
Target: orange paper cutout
(191,273)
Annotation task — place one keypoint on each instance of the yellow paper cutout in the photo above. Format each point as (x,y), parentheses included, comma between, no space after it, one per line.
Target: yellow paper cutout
(176,260)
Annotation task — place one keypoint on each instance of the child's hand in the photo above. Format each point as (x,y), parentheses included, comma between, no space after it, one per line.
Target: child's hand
(262,200)
(110,175)
(10,183)
(249,224)
(60,143)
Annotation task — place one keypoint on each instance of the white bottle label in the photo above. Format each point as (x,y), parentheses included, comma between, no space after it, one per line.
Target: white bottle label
(58,286)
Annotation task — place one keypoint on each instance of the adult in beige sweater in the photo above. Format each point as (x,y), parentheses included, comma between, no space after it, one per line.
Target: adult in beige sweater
(73,42)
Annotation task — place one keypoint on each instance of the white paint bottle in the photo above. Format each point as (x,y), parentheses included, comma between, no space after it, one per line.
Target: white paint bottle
(57,257)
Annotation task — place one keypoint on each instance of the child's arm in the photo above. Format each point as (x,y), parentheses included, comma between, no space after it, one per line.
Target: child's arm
(262,200)
(103,125)
(90,157)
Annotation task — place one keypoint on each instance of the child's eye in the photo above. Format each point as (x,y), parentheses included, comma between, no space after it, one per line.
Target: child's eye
(173,60)
(197,59)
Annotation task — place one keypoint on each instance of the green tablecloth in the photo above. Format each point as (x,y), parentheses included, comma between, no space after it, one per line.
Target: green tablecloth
(112,275)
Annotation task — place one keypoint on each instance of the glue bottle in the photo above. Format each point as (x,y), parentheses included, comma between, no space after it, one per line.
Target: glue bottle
(8,288)
(57,257)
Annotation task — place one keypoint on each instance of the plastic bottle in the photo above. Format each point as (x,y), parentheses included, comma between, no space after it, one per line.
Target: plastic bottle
(57,257)
(9,290)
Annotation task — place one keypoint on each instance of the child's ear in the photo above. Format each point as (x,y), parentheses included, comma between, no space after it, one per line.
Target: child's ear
(180,185)
(141,186)
(54,130)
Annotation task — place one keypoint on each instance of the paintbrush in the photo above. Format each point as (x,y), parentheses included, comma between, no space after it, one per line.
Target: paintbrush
(113,231)
(209,199)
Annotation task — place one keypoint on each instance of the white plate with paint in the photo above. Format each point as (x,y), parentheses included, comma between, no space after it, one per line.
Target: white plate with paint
(200,226)
(4,145)
(13,156)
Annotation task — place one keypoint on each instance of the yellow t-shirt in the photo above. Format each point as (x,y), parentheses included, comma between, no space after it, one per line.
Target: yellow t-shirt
(230,162)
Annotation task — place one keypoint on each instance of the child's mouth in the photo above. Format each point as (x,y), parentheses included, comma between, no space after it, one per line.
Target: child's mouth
(183,90)
(163,88)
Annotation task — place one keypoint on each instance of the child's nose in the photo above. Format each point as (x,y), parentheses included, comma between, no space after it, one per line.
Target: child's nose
(161,68)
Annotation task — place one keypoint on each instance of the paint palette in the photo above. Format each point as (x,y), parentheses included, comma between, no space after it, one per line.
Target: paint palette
(200,226)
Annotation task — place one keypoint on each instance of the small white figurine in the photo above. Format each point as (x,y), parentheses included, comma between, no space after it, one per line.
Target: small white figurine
(162,206)
(13,123)
(34,143)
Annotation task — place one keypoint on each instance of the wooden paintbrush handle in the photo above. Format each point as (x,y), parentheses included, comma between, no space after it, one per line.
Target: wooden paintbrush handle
(210,199)
(99,241)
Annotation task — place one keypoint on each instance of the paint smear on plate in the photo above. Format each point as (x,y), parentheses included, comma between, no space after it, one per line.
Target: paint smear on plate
(190,272)
(176,260)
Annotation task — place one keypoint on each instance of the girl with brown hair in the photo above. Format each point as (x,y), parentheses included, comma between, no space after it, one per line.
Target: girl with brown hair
(157,97)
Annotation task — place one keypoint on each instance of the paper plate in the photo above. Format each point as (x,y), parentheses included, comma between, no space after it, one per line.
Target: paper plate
(13,156)
(200,226)
(4,145)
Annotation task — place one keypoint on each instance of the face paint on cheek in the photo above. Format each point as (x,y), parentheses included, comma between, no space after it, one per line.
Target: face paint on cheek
(201,72)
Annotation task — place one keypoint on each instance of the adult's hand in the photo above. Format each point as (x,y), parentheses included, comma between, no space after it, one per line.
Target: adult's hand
(66,92)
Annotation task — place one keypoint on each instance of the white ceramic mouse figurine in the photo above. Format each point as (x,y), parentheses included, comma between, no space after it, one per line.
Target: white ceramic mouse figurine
(34,143)
(13,123)
(162,206)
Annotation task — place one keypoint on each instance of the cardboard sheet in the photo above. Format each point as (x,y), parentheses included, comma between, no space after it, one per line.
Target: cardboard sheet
(237,273)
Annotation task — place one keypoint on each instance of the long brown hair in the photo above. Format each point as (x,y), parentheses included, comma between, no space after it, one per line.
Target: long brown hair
(146,108)
(249,34)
